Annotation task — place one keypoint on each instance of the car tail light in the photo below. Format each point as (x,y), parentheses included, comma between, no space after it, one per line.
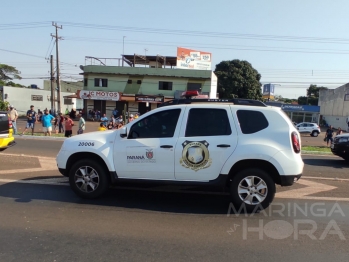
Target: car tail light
(295,142)
(9,123)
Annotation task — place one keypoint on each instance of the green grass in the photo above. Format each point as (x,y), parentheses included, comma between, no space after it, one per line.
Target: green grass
(42,134)
(316,148)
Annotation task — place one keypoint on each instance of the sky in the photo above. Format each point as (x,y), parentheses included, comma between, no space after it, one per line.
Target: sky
(290,43)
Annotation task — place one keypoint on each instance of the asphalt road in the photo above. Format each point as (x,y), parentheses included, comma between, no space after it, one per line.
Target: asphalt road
(41,219)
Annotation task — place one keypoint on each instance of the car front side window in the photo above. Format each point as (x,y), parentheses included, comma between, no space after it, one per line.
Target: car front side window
(158,125)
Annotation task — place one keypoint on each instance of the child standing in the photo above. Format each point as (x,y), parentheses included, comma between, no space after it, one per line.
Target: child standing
(68,126)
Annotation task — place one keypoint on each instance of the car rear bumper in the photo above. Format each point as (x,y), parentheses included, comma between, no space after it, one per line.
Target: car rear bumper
(7,142)
(289,180)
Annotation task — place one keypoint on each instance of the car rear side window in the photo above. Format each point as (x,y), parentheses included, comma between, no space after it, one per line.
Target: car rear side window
(208,122)
(251,121)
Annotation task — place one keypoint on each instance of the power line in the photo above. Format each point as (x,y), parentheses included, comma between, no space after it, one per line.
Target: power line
(231,47)
(212,34)
(24,24)
(49,47)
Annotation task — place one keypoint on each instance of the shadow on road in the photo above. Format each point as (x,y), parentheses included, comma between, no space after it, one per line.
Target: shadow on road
(172,202)
(334,162)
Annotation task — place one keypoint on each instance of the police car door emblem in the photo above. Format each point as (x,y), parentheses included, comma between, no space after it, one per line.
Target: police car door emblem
(149,154)
(195,155)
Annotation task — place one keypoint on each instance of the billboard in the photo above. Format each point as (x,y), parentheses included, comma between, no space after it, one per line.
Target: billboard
(193,59)
(99,95)
(149,99)
(268,91)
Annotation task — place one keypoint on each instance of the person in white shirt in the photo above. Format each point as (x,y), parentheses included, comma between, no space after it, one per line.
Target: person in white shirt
(13,116)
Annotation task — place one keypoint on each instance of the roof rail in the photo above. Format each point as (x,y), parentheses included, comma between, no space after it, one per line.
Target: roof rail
(235,101)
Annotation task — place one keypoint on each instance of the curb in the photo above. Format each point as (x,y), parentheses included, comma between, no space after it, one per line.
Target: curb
(316,153)
(29,137)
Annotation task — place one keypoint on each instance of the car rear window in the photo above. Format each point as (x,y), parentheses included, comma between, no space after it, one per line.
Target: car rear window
(3,116)
(251,121)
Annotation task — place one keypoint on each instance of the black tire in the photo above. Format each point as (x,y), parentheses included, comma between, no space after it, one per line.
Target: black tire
(96,176)
(240,179)
(315,133)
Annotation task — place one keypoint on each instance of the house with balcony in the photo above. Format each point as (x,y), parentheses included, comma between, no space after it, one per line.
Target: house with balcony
(142,85)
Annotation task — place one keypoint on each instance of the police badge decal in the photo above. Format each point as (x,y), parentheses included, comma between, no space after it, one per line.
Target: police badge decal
(195,155)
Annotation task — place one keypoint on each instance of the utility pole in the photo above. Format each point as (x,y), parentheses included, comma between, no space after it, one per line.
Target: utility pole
(57,67)
(53,91)
(123,49)
(145,62)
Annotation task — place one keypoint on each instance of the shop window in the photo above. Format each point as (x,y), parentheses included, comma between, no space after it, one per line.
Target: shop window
(165,85)
(85,81)
(193,87)
(101,82)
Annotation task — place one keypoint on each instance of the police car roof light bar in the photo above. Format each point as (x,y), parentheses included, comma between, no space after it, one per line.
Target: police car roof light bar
(235,101)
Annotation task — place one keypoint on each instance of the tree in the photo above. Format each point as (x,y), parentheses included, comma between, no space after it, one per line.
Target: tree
(238,79)
(3,104)
(313,90)
(8,73)
(312,97)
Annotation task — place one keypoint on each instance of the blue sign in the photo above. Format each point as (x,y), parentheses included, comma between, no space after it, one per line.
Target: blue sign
(299,108)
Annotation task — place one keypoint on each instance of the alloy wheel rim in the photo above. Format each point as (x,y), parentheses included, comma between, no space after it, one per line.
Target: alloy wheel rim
(252,190)
(86,179)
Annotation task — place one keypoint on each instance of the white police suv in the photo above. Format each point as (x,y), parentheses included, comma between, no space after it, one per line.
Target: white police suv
(242,146)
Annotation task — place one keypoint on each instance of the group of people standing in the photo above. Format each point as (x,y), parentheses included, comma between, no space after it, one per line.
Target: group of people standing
(49,122)
(115,122)
(64,123)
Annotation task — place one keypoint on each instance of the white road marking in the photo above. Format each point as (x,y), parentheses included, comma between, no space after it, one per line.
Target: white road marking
(49,163)
(312,188)
(46,163)
(48,181)
(301,193)
(325,178)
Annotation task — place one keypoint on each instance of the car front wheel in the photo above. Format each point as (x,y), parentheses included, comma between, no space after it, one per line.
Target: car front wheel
(252,190)
(88,179)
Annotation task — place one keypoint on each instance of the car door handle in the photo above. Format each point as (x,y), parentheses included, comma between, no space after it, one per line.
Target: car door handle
(223,145)
(166,146)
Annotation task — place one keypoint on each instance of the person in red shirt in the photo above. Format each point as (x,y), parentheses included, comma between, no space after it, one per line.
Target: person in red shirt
(68,126)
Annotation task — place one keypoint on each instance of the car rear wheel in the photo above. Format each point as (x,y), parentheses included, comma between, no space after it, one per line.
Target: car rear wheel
(88,179)
(315,133)
(252,190)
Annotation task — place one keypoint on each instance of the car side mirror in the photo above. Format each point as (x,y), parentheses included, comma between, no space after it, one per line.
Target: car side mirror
(123,132)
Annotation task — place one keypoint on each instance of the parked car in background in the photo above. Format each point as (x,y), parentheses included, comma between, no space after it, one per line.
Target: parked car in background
(6,138)
(340,146)
(311,128)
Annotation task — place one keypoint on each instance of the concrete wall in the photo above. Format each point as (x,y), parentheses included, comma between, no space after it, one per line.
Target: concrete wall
(333,108)
(21,99)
